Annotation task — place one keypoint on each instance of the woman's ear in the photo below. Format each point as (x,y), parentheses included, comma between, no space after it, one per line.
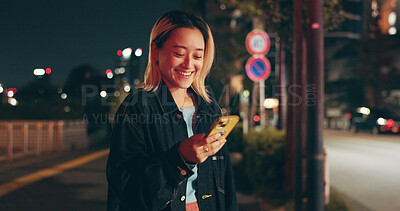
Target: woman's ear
(154,51)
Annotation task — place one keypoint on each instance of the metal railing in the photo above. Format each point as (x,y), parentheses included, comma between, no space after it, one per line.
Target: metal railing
(19,138)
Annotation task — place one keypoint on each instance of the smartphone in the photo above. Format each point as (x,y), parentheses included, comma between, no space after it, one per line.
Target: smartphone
(223,125)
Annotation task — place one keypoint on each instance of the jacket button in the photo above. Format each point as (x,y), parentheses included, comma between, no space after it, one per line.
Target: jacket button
(183,172)
(178,116)
(183,198)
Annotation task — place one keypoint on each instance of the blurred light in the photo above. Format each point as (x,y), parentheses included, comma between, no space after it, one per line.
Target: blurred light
(110,75)
(222,6)
(59,90)
(127,88)
(246,93)
(117,93)
(121,70)
(10,93)
(374,5)
(392,30)
(375,13)
(256,118)
(223,111)
(315,26)
(363,110)
(48,70)
(389,123)
(381,121)
(1,89)
(138,52)
(271,103)
(119,52)
(116,71)
(108,71)
(12,101)
(136,82)
(126,53)
(64,96)
(392,18)
(39,71)
(67,109)
(103,94)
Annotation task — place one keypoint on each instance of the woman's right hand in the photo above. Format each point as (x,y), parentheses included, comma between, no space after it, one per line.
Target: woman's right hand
(197,149)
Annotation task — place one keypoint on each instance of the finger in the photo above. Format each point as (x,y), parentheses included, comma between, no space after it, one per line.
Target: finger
(211,138)
(214,147)
(199,136)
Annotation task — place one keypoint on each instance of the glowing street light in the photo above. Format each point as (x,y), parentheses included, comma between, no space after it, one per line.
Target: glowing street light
(127,88)
(39,71)
(64,96)
(12,101)
(103,94)
(1,88)
(138,52)
(126,53)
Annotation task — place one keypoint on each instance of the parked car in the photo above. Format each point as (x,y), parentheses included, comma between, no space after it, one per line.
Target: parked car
(374,120)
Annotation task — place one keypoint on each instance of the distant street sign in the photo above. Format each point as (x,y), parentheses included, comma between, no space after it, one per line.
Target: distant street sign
(257,42)
(258,68)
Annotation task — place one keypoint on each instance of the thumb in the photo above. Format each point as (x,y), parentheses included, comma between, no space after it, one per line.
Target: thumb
(199,136)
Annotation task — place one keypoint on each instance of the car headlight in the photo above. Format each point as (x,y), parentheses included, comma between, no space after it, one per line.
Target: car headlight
(381,121)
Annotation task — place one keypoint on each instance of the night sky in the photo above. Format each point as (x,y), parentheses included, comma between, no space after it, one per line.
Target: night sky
(66,34)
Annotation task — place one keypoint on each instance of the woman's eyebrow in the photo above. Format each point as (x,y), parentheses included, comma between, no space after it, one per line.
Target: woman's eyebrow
(184,47)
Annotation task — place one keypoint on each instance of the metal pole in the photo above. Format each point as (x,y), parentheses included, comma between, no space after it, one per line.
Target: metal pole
(262,109)
(315,97)
(282,86)
(298,66)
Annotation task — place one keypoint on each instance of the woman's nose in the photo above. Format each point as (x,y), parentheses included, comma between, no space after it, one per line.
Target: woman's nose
(188,62)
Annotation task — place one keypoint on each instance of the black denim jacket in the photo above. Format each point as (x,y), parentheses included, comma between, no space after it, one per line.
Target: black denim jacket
(145,170)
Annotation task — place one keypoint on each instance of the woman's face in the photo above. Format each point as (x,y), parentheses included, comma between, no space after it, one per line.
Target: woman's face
(181,57)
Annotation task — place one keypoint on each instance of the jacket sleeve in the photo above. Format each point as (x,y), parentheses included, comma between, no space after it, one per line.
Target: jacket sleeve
(138,179)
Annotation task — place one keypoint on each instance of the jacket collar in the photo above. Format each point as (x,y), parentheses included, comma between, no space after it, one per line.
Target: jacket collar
(168,105)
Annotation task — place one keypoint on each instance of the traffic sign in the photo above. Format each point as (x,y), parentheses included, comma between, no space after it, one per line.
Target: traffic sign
(258,42)
(258,68)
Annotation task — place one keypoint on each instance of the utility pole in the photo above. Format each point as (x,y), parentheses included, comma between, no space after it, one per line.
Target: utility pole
(315,99)
(299,120)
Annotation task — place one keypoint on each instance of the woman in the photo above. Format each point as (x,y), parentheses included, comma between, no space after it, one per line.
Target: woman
(159,156)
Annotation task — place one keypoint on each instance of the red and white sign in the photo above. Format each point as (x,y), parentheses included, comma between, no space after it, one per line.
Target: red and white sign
(258,68)
(258,42)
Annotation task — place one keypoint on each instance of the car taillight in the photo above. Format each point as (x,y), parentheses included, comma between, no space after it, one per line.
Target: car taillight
(389,123)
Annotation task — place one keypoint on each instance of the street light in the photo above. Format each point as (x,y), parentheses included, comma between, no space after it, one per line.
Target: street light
(39,71)
(1,88)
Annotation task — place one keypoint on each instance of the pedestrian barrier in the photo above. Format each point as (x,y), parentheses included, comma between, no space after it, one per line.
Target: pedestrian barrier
(19,138)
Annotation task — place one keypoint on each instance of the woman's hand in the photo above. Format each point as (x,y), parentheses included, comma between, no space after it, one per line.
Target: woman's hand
(197,149)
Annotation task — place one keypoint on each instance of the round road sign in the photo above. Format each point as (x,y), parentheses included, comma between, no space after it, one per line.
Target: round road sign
(257,42)
(258,68)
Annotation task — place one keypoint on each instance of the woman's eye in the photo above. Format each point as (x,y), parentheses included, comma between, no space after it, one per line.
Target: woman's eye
(198,57)
(178,54)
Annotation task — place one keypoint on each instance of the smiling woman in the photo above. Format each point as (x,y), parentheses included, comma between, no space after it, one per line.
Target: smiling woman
(159,156)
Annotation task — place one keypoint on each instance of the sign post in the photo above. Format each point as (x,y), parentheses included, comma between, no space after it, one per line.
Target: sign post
(258,67)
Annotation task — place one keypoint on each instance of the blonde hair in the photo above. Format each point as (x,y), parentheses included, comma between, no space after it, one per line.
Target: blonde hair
(159,34)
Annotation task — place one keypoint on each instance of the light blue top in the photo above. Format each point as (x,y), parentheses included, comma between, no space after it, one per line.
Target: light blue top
(192,181)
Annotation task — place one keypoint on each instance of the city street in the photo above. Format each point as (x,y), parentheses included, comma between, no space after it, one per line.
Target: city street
(365,168)
(67,181)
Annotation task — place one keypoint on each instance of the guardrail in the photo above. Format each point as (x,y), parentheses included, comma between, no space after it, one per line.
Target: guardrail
(19,138)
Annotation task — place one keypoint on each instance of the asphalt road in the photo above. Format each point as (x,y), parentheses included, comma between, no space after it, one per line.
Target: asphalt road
(365,168)
(67,181)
